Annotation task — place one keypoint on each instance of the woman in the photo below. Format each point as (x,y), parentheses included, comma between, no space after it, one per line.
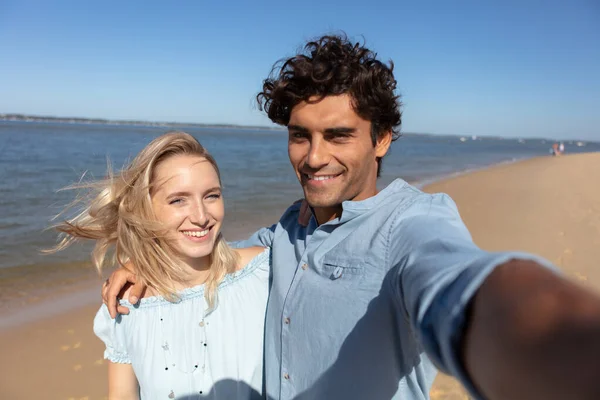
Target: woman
(198,330)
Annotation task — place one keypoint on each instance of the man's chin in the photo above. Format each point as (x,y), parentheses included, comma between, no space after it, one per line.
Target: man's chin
(321,202)
(320,198)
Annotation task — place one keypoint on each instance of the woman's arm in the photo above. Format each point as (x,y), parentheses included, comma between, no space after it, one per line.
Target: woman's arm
(122,383)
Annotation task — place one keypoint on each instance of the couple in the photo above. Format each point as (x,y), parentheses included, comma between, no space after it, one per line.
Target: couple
(367,290)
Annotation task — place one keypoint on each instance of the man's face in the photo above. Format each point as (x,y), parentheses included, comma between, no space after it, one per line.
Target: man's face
(331,150)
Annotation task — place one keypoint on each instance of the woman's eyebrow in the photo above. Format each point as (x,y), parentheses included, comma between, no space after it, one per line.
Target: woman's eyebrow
(179,194)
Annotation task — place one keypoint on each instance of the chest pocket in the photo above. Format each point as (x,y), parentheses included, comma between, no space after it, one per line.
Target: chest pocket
(343,270)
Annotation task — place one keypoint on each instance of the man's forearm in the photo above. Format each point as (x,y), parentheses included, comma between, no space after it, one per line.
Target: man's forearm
(533,335)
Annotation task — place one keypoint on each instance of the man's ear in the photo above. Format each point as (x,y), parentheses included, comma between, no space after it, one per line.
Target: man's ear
(383,143)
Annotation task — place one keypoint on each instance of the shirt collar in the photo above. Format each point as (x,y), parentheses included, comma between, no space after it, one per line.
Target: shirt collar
(352,209)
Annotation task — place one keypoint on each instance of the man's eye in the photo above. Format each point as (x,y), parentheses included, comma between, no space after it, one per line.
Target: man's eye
(339,136)
(298,135)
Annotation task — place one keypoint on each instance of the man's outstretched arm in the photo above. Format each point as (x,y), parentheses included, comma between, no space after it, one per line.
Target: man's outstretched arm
(530,334)
(507,324)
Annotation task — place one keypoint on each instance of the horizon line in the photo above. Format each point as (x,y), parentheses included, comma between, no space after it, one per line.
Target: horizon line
(135,122)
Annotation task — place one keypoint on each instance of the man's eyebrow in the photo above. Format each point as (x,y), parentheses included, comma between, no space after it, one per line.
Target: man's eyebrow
(334,130)
(297,128)
(340,129)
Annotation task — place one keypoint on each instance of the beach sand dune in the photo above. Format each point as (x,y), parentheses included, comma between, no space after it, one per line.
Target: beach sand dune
(548,206)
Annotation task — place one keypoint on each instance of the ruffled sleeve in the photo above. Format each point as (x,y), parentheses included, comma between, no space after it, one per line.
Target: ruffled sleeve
(107,329)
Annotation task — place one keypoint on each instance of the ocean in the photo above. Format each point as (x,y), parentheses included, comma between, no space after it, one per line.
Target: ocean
(38,159)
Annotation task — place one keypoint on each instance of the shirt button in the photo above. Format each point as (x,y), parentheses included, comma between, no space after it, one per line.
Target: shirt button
(337,273)
(286,376)
(286,321)
(304,267)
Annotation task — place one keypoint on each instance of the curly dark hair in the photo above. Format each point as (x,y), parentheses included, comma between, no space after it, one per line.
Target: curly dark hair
(333,65)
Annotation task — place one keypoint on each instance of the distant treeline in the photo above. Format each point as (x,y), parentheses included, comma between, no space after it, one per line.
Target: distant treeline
(75,120)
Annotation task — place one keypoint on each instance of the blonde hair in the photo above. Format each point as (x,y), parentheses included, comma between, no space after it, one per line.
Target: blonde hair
(117,213)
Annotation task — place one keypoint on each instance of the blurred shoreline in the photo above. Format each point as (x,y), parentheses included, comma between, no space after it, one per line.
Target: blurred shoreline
(23,288)
(546,205)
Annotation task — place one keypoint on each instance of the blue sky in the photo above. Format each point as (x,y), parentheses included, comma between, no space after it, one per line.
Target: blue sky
(507,68)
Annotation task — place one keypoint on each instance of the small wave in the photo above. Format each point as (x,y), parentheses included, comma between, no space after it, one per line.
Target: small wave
(10,225)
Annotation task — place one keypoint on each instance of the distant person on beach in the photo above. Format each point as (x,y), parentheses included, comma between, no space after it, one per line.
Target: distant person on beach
(198,330)
(371,289)
(557,149)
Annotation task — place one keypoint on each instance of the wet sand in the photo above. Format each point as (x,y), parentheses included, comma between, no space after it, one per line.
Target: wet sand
(548,206)
(28,286)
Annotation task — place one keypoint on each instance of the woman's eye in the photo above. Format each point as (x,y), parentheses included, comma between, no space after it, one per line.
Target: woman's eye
(175,201)
(215,196)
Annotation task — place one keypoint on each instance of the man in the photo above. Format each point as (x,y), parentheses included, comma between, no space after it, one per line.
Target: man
(370,289)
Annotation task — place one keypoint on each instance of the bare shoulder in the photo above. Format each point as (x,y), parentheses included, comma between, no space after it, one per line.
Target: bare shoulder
(247,254)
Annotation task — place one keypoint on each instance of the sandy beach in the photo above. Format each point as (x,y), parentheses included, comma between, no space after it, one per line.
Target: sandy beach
(548,206)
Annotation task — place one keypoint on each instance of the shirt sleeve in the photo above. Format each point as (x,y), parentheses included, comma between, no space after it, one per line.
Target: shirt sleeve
(262,237)
(439,271)
(107,329)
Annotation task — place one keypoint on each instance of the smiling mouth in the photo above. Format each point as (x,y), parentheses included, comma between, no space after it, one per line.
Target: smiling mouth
(196,233)
(319,178)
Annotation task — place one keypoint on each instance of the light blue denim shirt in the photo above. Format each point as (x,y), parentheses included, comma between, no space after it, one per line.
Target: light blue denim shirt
(362,307)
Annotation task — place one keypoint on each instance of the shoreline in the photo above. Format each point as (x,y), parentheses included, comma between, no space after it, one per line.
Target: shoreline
(545,205)
(424,183)
(80,297)
(31,292)
(16,298)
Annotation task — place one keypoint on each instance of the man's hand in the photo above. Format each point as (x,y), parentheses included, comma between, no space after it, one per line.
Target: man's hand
(121,281)
(533,335)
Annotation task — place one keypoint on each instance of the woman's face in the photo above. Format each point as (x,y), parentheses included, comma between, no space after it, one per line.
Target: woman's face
(186,198)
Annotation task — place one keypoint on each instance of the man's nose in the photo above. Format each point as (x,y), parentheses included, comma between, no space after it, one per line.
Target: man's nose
(318,154)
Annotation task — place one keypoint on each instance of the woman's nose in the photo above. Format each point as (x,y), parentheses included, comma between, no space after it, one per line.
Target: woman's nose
(199,216)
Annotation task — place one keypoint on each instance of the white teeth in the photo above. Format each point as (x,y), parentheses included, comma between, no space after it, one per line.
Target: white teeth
(196,233)
(321,178)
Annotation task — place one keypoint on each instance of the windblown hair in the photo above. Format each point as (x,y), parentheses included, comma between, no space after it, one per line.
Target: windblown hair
(117,214)
(333,65)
